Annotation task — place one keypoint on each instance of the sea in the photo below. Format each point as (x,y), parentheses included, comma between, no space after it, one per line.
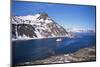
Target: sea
(38,49)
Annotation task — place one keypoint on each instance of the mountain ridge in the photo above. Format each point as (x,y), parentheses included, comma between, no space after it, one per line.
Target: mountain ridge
(36,26)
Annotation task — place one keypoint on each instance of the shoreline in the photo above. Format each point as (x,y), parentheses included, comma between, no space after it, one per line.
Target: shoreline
(82,55)
(40,38)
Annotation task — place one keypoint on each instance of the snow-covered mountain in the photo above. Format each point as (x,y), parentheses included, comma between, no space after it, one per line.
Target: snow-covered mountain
(36,26)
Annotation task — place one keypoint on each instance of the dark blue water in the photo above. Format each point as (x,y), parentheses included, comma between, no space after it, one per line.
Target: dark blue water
(30,50)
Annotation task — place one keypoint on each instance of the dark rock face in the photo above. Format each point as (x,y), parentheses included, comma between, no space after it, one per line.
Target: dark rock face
(23,29)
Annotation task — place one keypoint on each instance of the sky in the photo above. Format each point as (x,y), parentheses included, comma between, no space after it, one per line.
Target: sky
(67,15)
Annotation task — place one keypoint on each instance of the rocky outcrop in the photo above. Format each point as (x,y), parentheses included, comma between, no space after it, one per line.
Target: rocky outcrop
(85,54)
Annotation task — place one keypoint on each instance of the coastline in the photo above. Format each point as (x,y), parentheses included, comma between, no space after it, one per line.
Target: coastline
(40,38)
(82,55)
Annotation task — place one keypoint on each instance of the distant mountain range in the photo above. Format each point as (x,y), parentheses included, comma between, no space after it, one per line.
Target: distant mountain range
(36,26)
(80,30)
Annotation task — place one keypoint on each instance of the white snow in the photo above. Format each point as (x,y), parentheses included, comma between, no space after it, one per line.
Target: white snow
(48,20)
(38,34)
(40,24)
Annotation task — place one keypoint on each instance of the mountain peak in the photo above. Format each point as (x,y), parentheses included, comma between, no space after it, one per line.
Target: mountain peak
(42,13)
(43,16)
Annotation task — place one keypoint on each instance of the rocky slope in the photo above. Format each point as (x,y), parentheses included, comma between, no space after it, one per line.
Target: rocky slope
(84,54)
(36,26)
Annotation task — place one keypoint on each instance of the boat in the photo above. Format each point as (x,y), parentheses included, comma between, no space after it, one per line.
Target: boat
(59,39)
